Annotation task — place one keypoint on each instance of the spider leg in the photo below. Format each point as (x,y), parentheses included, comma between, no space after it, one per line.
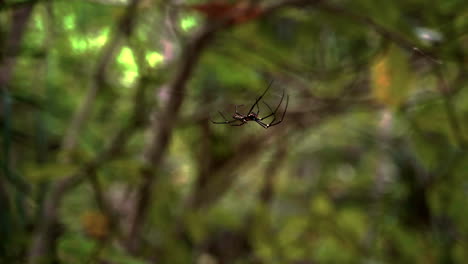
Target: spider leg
(273,113)
(262,124)
(271,110)
(236,109)
(225,120)
(241,124)
(259,98)
(282,117)
(221,114)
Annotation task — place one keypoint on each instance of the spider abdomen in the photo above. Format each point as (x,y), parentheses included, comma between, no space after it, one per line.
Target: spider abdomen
(238,117)
(252,117)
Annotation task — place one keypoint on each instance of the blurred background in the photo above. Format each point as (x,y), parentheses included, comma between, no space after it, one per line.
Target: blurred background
(108,154)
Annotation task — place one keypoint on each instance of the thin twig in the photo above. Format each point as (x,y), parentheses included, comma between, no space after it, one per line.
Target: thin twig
(381,30)
(453,120)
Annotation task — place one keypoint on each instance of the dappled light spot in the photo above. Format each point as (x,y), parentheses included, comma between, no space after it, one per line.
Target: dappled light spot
(78,44)
(126,57)
(82,44)
(188,22)
(99,39)
(130,68)
(39,23)
(69,22)
(154,58)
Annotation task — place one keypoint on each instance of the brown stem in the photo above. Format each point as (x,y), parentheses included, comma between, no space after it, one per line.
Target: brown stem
(162,129)
(446,94)
(267,191)
(8,55)
(20,19)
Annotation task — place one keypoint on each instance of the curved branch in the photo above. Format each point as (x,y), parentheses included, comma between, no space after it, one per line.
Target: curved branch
(40,246)
(124,28)
(162,129)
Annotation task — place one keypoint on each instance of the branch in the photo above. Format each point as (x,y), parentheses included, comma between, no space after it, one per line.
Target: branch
(267,189)
(162,129)
(20,19)
(124,28)
(408,45)
(40,245)
(8,56)
(453,120)
(18,4)
(394,37)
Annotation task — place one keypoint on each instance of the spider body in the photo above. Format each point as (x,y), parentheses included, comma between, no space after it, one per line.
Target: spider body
(239,119)
(243,118)
(249,117)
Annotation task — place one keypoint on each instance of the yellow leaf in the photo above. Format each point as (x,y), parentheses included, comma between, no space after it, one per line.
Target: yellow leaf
(95,224)
(390,77)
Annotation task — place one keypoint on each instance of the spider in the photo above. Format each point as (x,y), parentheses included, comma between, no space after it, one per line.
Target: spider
(253,116)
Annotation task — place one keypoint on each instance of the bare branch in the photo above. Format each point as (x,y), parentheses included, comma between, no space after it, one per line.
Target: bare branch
(162,129)
(267,189)
(12,47)
(124,29)
(8,55)
(40,245)
(453,120)
(381,30)
(17,4)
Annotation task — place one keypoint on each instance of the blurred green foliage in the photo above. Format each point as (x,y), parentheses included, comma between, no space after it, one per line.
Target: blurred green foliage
(369,166)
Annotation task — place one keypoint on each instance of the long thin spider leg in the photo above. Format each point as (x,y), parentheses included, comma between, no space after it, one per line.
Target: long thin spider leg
(221,114)
(225,120)
(273,120)
(284,113)
(271,110)
(236,109)
(262,124)
(281,101)
(258,110)
(241,124)
(276,109)
(259,98)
